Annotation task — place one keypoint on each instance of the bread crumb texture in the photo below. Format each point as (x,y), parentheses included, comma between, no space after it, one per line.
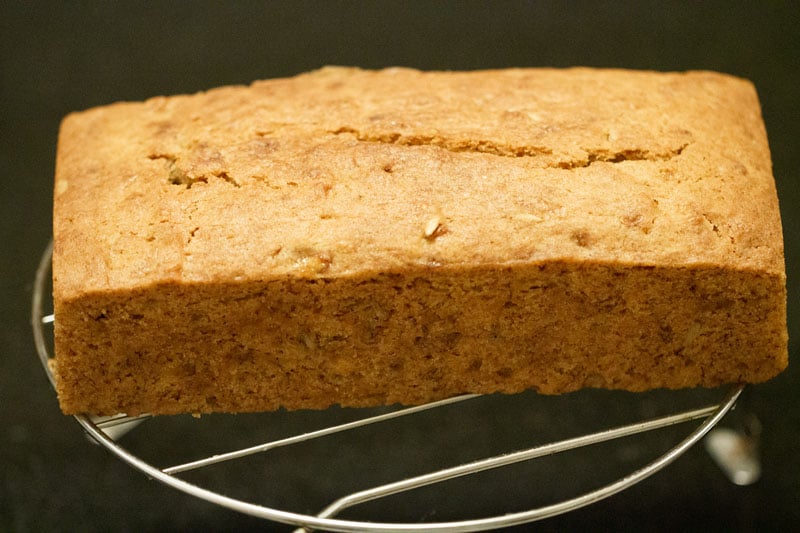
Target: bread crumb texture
(364,237)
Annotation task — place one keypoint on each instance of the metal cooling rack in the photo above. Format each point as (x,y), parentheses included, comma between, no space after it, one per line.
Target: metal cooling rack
(107,430)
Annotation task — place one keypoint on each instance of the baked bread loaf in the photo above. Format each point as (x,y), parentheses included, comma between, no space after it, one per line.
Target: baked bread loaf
(369,237)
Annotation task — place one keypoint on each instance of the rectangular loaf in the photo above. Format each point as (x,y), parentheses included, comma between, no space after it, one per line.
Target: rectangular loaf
(369,237)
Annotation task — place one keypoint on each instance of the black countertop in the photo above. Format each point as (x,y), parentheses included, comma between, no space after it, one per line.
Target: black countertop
(68,56)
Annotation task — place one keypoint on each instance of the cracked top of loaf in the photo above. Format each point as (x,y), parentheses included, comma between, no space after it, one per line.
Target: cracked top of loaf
(343,172)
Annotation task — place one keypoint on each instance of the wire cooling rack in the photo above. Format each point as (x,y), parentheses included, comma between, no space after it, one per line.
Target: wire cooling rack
(339,462)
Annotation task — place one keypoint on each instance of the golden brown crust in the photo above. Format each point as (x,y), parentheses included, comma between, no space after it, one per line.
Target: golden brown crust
(399,203)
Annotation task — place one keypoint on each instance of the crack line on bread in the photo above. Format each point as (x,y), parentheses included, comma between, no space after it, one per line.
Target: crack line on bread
(593,155)
(452,145)
(179,176)
(609,156)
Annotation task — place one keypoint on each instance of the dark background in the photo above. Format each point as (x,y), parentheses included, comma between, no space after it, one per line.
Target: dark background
(59,57)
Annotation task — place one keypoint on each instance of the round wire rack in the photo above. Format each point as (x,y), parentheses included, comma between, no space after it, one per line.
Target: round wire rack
(428,456)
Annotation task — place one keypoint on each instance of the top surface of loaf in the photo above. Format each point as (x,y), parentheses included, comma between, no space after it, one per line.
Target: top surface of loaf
(342,171)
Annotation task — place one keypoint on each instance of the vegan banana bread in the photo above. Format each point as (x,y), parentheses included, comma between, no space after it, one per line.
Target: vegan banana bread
(369,237)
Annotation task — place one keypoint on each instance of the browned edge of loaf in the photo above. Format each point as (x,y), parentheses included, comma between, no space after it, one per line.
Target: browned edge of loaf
(397,337)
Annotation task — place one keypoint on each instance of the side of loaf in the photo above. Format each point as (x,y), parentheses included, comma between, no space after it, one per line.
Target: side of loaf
(371,237)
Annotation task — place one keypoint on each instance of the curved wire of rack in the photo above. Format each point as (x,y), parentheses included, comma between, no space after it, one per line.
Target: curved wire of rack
(106,430)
